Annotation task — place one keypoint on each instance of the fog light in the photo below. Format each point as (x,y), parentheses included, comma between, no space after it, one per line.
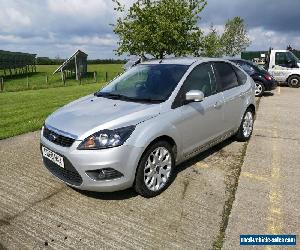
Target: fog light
(104,174)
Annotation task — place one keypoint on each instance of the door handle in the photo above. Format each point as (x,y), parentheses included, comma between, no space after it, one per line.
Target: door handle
(218,105)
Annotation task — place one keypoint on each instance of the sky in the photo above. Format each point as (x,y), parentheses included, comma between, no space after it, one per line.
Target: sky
(57,28)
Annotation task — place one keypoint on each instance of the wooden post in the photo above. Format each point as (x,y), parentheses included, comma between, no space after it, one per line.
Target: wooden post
(64,78)
(27,80)
(76,70)
(106,76)
(1,84)
(95,76)
(47,79)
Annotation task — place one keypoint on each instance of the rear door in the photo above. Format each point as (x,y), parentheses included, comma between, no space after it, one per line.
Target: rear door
(233,94)
(199,122)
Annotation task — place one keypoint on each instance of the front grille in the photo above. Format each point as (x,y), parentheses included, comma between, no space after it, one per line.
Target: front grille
(57,138)
(67,174)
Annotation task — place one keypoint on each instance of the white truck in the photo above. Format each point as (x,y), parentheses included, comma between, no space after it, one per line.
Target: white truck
(284,66)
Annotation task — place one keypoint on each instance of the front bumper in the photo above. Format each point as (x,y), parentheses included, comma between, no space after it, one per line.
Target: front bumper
(123,159)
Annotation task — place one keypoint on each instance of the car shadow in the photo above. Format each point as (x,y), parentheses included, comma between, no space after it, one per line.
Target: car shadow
(268,94)
(118,195)
(201,156)
(130,193)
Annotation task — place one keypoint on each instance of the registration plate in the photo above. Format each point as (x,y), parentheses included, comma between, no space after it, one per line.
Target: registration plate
(57,159)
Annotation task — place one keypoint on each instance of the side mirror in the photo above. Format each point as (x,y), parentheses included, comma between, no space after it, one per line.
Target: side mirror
(194,96)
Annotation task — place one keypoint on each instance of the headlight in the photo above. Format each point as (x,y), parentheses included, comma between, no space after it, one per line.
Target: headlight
(107,138)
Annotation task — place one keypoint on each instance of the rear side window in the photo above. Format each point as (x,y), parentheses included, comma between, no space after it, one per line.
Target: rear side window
(227,76)
(242,78)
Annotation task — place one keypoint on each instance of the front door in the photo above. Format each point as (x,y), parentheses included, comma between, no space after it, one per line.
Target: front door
(282,67)
(199,122)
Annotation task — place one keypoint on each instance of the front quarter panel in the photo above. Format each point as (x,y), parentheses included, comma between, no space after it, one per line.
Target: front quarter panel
(146,132)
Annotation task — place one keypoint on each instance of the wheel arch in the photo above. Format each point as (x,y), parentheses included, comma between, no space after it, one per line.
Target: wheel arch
(290,76)
(252,107)
(167,139)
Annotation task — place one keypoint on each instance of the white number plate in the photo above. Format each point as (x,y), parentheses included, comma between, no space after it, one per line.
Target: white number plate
(57,159)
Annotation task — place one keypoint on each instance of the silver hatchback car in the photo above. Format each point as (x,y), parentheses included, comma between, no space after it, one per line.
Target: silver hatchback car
(135,130)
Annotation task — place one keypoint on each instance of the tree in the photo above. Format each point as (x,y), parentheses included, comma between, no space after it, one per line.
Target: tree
(212,44)
(234,39)
(159,28)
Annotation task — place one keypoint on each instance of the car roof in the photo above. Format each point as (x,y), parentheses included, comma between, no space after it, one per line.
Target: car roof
(238,59)
(183,60)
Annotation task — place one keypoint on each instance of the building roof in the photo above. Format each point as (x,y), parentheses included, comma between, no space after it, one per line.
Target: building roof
(69,62)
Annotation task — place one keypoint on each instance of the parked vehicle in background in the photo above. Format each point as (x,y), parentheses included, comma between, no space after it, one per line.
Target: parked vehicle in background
(263,80)
(154,116)
(284,66)
(259,61)
(133,62)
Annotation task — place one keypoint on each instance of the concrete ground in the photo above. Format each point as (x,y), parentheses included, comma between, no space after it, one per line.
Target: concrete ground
(267,200)
(38,212)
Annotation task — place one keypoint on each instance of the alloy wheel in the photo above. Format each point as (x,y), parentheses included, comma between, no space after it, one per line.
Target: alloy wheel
(157,169)
(248,124)
(258,89)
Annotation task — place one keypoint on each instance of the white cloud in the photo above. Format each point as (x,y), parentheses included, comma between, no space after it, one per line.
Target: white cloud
(59,27)
(12,18)
(79,8)
(263,39)
(108,40)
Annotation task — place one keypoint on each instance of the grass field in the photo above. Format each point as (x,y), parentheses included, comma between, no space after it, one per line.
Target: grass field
(38,80)
(25,111)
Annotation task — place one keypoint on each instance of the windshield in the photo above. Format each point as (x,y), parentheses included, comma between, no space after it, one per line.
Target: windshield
(292,57)
(153,83)
(258,67)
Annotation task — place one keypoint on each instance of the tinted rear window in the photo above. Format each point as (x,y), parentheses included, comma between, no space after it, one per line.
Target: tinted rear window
(227,75)
(242,78)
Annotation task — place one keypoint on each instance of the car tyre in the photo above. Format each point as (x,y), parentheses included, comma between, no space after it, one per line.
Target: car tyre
(259,89)
(246,128)
(294,81)
(155,170)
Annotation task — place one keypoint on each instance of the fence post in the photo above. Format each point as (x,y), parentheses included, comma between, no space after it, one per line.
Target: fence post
(46,79)
(27,80)
(64,77)
(2,84)
(106,76)
(95,76)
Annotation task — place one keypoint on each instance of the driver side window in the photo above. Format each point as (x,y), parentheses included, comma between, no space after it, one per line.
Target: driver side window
(283,59)
(201,78)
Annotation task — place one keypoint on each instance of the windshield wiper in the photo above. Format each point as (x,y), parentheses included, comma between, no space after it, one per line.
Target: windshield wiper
(110,95)
(147,100)
(127,98)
